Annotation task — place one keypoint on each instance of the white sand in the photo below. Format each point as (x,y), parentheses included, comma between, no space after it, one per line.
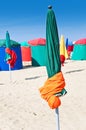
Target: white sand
(22,108)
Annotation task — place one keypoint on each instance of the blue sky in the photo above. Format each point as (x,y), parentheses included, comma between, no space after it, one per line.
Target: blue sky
(26,19)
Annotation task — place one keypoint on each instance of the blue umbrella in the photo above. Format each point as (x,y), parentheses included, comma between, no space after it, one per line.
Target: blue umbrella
(66,43)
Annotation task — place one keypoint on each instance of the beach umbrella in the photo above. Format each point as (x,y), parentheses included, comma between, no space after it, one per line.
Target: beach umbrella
(63,51)
(70,49)
(8,56)
(66,43)
(11,56)
(37,41)
(53,87)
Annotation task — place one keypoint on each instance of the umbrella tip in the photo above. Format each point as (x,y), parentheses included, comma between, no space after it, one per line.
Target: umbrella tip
(49,7)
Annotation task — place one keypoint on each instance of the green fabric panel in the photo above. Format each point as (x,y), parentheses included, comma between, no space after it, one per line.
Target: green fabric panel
(38,55)
(25,44)
(79,52)
(3,43)
(53,63)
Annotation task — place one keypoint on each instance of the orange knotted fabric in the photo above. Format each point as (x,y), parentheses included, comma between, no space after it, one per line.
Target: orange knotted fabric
(53,85)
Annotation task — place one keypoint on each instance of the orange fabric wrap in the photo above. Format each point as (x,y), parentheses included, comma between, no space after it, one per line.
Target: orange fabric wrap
(13,57)
(52,86)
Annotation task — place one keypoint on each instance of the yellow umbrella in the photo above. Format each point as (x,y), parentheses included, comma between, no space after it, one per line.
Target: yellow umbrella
(63,51)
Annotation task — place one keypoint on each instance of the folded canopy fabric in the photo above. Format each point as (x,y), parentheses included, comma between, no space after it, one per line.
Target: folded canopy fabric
(13,56)
(52,86)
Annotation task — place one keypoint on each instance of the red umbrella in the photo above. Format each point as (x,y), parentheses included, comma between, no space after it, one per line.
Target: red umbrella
(81,41)
(38,41)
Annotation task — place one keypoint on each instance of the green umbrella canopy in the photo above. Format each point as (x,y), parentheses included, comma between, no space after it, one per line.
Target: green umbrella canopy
(54,85)
(53,63)
(8,44)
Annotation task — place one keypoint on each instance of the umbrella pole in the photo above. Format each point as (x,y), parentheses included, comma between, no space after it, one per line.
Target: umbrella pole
(10,73)
(57,119)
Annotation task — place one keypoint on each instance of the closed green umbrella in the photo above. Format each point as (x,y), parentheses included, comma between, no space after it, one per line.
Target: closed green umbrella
(11,56)
(8,45)
(54,86)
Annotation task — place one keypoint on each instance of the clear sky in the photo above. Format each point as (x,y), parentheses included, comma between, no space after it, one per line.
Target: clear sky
(26,19)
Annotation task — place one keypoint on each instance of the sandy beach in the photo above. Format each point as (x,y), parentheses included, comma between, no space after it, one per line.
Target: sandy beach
(22,108)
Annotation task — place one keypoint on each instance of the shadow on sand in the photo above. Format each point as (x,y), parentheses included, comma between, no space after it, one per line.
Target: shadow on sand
(73,71)
(36,77)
